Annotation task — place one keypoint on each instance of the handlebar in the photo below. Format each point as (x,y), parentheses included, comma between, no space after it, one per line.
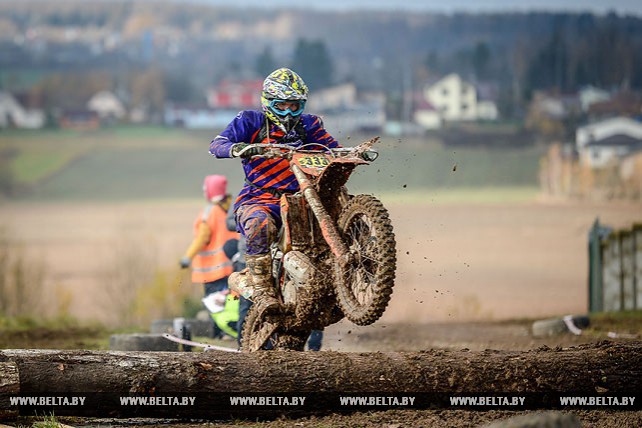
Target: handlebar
(273,150)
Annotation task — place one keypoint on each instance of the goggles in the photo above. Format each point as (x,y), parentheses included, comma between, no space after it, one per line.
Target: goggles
(285,107)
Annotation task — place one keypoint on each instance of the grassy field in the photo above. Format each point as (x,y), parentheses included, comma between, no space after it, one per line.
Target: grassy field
(157,162)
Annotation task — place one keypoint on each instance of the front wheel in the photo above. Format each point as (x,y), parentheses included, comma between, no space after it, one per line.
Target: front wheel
(365,285)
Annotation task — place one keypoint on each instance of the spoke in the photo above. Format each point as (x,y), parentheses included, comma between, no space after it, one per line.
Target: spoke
(370,276)
(361,281)
(360,226)
(363,244)
(360,230)
(368,258)
(364,231)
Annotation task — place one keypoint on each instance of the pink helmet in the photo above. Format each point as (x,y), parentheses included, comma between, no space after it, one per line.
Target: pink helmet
(215,187)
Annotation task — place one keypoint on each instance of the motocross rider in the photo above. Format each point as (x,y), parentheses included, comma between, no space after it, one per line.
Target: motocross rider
(258,217)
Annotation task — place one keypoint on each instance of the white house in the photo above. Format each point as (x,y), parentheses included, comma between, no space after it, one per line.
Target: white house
(601,143)
(554,106)
(453,99)
(487,110)
(14,114)
(339,96)
(425,114)
(106,105)
(591,95)
(344,110)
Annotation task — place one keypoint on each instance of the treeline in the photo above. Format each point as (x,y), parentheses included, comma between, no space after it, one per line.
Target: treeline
(195,45)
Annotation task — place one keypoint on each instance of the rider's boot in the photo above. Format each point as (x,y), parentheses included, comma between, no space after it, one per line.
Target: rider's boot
(259,268)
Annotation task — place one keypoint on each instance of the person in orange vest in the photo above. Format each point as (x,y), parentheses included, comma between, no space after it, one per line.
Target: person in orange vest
(206,254)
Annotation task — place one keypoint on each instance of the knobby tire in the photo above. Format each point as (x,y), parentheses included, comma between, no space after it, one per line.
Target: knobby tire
(252,341)
(365,285)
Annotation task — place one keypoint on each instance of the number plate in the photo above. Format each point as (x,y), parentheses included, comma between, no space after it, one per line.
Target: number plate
(313,161)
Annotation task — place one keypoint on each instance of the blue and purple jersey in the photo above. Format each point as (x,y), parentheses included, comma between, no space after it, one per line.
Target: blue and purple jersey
(264,173)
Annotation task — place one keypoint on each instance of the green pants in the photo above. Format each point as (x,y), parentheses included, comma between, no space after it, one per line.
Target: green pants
(228,315)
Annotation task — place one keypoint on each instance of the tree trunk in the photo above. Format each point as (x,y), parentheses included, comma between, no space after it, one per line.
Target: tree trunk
(602,368)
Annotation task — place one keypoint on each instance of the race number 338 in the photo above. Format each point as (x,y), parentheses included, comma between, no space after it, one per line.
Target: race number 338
(314,161)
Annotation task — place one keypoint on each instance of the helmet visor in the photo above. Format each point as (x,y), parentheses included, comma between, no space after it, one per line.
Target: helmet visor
(285,107)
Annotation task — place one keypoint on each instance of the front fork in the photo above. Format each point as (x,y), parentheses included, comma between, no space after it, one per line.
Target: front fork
(328,227)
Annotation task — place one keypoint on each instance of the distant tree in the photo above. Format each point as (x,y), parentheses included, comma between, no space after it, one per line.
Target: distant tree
(636,79)
(235,67)
(179,88)
(519,62)
(616,54)
(71,90)
(139,22)
(462,62)
(432,61)
(312,61)
(265,63)
(548,69)
(481,58)
(147,89)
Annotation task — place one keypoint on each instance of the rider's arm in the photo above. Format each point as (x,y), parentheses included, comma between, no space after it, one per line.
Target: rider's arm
(316,133)
(240,130)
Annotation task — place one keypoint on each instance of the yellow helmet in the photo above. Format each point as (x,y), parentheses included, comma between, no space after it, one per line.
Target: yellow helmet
(283,85)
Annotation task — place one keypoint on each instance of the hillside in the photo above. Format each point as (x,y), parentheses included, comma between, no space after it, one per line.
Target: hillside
(152,163)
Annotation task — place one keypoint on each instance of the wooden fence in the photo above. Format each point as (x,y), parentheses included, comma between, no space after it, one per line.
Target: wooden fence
(615,268)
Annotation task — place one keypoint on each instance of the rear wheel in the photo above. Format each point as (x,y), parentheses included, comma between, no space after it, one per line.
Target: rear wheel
(365,285)
(263,331)
(257,330)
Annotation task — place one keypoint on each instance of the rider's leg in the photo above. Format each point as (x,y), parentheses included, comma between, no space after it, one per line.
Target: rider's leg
(314,341)
(259,226)
(260,270)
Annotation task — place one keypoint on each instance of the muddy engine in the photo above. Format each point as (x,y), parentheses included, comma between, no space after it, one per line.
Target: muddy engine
(300,273)
(306,289)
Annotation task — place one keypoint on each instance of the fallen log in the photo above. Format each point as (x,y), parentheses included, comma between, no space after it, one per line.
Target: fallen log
(212,377)
(9,385)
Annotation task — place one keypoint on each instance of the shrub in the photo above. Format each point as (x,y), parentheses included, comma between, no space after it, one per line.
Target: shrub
(21,280)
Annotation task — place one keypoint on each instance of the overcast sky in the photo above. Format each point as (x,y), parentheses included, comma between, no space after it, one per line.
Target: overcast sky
(633,7)
(622,7)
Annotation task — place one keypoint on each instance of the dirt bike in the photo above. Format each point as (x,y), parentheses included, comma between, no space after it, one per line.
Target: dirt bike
(335,255)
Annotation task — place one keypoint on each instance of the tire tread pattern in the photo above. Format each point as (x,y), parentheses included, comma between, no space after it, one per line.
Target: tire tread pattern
(371,207)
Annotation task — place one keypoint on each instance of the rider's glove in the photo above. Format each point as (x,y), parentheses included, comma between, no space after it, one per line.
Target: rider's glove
(184,262)
(238,147)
